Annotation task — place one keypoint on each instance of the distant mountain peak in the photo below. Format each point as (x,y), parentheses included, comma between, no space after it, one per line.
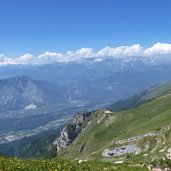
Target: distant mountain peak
(20,91)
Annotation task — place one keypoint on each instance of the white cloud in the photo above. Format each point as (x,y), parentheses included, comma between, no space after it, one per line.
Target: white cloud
(49,57)
(24,58)
(7,61)
(67,57)
(158,50)
(122,51)
(84,52)
(50,54)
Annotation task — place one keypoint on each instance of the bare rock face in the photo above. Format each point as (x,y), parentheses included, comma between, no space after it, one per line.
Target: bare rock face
(122,150)
(72,130)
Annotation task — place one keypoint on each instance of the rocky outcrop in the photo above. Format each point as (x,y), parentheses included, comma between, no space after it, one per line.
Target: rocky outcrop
(137,138)
(72,130)
(127,149)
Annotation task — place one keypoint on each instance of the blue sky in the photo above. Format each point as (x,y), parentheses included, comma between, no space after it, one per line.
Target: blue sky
(36,26)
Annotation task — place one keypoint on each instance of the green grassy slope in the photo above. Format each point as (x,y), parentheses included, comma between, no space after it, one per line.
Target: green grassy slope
(141,98)
(150,113)
(104,128)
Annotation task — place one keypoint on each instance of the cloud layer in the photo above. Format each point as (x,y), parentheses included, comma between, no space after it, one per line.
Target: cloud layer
(158,50)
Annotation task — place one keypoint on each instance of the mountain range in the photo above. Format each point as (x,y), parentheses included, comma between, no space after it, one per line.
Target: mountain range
(98,83)
(114,125)
(21,92)
(30,108)
(135,130)
(132,134)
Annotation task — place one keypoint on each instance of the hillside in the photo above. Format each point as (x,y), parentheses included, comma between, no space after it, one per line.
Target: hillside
(21,92)
(60,164)
(135,139)
(37,146)
(141,98)
(141,134)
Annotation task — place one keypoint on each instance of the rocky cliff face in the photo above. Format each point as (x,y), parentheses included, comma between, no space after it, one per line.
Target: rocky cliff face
(72,130)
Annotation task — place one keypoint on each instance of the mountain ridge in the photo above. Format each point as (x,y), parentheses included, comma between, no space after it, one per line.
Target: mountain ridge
(142,97)
(126,135)
(21,91)
(135,138)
